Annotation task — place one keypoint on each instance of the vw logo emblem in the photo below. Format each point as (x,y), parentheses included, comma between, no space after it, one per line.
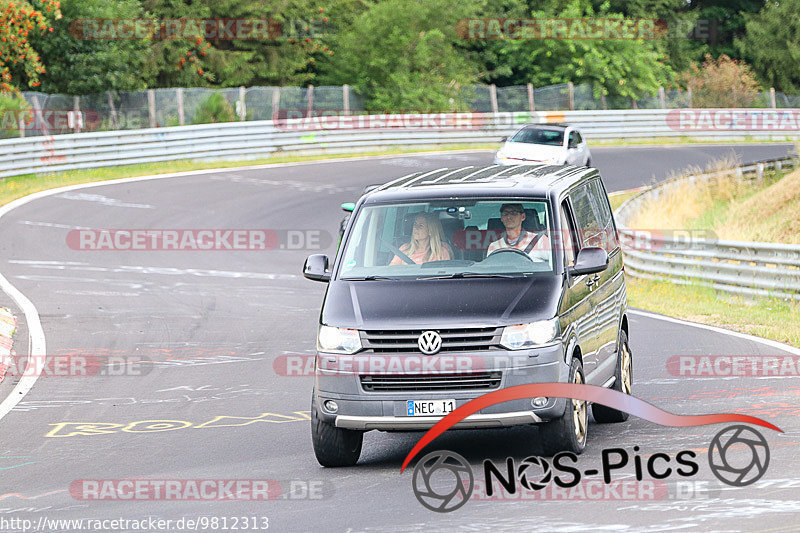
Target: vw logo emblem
(429,342)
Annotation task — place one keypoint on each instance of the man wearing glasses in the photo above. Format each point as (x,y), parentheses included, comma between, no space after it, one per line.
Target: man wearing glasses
(536,245)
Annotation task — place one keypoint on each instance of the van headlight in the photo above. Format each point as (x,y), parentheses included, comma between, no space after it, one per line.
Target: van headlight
(338,340)
(530,335)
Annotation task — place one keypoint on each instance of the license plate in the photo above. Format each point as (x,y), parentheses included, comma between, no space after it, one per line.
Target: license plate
(429,407)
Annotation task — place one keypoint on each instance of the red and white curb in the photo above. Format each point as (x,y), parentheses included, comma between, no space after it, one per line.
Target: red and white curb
(8,325)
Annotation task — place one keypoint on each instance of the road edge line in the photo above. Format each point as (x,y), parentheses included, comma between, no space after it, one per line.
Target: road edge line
(768,342)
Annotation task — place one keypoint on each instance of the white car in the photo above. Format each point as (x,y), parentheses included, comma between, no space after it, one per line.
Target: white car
(558,144)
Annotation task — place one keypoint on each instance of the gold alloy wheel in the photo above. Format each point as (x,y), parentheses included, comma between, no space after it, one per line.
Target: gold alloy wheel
(626,369)
(579,413)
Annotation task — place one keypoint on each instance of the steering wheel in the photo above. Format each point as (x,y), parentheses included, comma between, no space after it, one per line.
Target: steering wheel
(515,250)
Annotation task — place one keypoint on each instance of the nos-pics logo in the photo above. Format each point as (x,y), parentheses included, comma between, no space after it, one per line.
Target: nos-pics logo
(443,481)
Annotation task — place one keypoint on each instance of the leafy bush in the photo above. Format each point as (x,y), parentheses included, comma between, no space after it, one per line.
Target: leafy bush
(214,109)
(12,106)
(721,82)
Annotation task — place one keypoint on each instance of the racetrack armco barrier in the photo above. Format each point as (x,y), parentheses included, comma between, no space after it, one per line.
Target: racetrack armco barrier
(323,134)
(747,268)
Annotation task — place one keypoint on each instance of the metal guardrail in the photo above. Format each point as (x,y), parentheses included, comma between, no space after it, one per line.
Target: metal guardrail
(262,139)
(750,268)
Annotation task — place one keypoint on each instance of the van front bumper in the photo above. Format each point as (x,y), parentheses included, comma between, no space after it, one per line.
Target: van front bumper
(361,409)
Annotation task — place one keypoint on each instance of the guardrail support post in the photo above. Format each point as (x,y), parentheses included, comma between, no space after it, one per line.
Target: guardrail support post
(531,103)
(662,97)
(151,104)
(113,110)
(493,97)
(772,98)
(276,103)
(76,107)
(310,100)
(346,98)
(181,112)
(760,171)
(242,108)
(571,93)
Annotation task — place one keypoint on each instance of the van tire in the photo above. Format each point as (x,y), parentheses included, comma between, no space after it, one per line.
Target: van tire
(560,435)
(623,383)
(334,447)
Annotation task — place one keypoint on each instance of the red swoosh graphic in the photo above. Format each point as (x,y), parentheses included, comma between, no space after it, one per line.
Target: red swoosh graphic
(589,393)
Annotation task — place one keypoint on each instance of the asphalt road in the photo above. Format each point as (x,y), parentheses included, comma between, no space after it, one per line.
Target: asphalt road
(210,404)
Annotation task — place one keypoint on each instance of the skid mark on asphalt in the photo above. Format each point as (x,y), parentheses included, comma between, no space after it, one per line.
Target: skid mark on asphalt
(104,200)
(74,429)
(284,184)
(23,497)
(50,225)
(147,270)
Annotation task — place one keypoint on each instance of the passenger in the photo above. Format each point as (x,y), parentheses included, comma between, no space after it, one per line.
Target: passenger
(535,244)
(427,241)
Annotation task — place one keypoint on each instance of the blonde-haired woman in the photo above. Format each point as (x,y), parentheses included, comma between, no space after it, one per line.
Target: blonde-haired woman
(427,241)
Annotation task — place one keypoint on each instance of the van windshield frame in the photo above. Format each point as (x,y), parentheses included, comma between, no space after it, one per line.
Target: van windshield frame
(378,244)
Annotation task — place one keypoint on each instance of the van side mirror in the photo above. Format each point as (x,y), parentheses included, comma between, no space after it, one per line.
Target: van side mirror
(589,261)
(316,268)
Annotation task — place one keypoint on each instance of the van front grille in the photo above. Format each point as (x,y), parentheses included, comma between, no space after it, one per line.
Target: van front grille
(438,382)
(453,340)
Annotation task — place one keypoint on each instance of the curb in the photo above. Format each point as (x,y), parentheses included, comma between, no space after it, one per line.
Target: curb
(8,325)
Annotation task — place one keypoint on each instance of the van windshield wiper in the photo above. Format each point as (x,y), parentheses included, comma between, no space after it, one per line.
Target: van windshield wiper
(367,278)
(475,275)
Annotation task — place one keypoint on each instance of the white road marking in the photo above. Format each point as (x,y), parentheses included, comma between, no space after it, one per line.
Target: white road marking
(104,200)
(766,342)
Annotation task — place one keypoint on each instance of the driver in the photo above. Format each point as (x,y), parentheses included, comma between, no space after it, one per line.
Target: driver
(536,245)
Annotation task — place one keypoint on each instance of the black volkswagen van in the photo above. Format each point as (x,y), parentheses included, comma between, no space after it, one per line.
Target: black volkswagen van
(453,283)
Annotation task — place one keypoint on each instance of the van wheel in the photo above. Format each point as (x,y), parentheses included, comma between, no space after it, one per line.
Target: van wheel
(623,383)
(567,433)
(334,446)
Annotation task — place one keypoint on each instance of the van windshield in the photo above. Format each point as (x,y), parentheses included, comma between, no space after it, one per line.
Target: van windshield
(449,238)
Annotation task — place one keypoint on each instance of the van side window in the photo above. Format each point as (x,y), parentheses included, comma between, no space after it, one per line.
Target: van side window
(566,232)
(589,226)
(603,213)
(593,216)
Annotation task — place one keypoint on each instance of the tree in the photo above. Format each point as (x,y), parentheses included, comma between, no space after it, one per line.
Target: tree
(721,82)
(405,55)
(80,64)
(772,44)
(619,67)
(18,59)
(287,56)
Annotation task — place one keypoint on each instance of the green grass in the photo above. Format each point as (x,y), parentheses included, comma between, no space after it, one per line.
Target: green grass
(617,198)
(771,318)
(15,187)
